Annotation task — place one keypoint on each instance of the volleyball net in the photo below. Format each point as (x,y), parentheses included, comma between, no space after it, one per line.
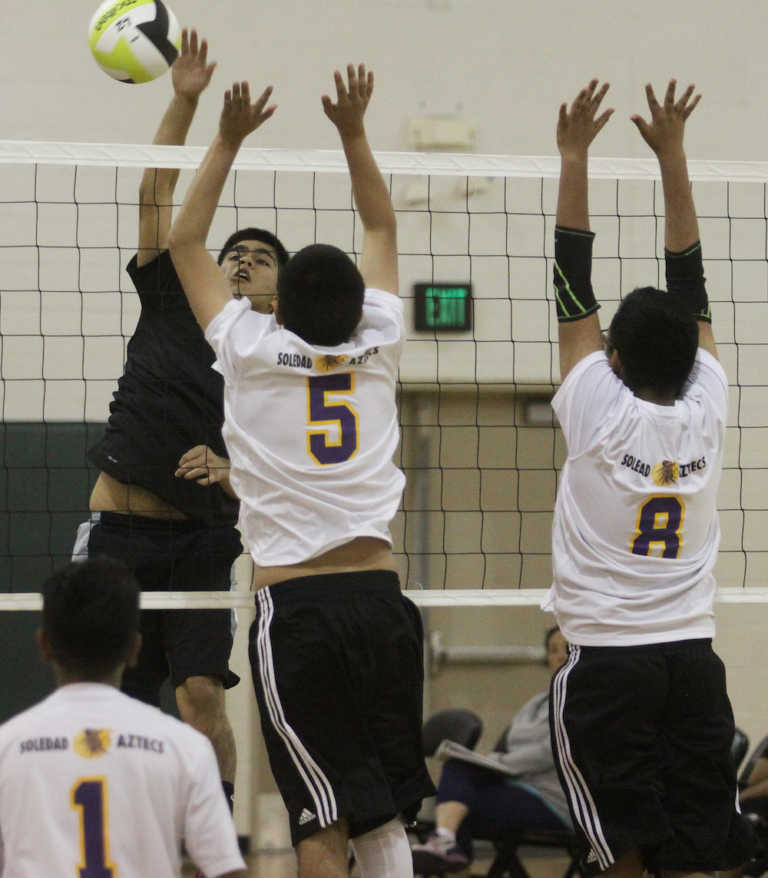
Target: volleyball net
(479,447)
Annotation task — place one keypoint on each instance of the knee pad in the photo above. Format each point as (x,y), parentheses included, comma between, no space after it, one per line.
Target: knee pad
(384,852)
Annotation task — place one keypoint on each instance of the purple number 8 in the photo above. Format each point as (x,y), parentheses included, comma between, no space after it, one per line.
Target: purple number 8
(649,532)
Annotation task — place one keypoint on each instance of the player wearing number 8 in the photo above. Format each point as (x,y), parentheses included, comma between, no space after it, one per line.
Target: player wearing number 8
(640,718)
(311,427)
(94,783)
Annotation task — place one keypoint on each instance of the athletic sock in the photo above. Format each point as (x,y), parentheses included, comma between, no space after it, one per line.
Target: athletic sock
(445,833)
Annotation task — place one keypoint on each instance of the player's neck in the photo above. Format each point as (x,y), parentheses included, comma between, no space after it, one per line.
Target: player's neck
(65,677)
(656,398)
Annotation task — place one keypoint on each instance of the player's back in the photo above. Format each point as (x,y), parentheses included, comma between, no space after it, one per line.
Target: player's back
(311,430)
(93,782)
(636,530)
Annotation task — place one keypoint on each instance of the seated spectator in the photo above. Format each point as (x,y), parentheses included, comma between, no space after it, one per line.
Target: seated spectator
(753,797)
(756,788)
(478,802)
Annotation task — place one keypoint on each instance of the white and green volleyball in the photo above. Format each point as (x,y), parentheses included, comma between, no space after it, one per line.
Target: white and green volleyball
(134,40)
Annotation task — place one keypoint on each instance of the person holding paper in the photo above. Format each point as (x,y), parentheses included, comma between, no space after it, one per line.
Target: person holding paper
(524,793)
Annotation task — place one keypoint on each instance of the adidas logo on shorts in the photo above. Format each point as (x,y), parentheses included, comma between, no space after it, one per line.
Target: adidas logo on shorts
(591,857)
(305,817)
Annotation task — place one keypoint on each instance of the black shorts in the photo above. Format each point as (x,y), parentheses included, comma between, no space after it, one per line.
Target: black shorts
(337,667)
(173,556)
(642,742)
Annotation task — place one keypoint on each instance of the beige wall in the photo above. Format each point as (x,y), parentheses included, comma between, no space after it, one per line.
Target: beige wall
(477,511)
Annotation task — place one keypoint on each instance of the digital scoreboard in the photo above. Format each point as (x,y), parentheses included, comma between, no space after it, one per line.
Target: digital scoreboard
(443,307)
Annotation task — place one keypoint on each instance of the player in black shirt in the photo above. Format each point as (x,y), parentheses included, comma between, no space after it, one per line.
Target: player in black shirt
(162,502)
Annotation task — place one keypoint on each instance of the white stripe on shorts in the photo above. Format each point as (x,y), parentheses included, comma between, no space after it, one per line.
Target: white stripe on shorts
(317,784)
(576,787)
(80,549)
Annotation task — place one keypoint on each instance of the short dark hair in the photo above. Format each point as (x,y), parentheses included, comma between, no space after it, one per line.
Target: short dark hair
(253,234)
(656,339)
(320,294)
(90,615)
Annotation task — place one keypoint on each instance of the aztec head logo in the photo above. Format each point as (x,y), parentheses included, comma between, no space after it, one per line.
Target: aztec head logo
(91,743)
(665,473)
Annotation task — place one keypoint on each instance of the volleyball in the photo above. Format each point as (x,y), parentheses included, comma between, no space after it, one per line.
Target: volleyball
(134,40)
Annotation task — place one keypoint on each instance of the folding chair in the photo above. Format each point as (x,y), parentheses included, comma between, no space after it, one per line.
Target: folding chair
(739,747)
(507,861)
(454,724)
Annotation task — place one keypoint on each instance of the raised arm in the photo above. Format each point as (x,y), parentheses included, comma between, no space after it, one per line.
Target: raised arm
(379,258)
(578,325)
(684,267)
(190,74)
(207,289)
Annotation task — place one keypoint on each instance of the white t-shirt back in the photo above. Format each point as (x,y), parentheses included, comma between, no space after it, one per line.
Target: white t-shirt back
(636,530)
(310,431)
(90,778)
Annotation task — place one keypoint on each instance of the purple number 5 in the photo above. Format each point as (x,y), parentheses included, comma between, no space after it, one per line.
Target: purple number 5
(659,523)
(89,797)
(321,446)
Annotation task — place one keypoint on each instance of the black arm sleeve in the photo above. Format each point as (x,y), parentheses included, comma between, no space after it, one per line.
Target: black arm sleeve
(574,296)
(685,279)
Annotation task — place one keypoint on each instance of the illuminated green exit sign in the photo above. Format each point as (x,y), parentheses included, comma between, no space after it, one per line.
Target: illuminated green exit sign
(444,307)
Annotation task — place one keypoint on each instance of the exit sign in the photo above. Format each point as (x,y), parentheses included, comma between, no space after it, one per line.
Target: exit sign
(443,307)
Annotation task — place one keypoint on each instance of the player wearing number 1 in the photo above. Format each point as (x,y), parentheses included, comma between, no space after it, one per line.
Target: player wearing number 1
(93,783)
(311,427)
(640,718)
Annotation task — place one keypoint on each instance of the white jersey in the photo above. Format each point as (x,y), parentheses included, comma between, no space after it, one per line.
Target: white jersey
(310,431)
(93,782)
(636,530)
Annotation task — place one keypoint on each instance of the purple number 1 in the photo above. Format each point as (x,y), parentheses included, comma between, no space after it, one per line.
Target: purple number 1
(321,446)
(89,796)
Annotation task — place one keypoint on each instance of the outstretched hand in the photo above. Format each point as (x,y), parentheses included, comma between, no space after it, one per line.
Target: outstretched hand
(664,132)
(191,71)
(578,126)
(351,100)
(240,117)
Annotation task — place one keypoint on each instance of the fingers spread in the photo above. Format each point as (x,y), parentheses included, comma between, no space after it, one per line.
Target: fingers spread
(184,42)
(352,79)
(341,91)
(669,97)
(684,98)
(598,98)
(688,110)
(601,120)
(263,97)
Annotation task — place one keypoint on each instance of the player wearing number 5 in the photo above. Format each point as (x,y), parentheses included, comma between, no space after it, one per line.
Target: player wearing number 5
(94,783)
(641,721)
(311,427)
